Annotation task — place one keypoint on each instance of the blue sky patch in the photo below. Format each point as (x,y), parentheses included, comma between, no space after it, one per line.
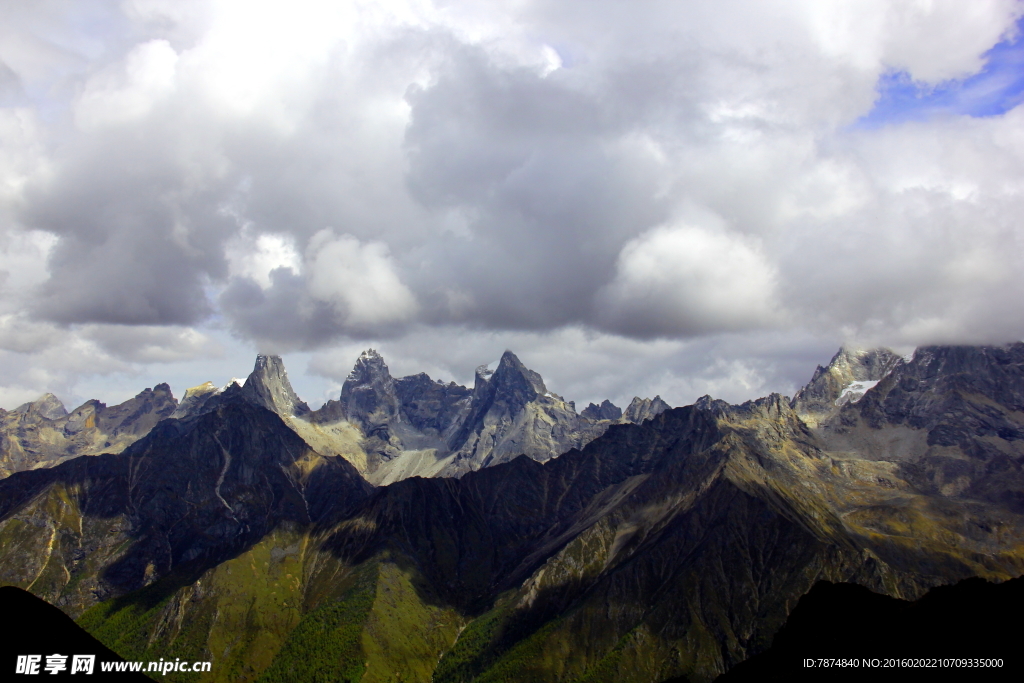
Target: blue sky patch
(996,89)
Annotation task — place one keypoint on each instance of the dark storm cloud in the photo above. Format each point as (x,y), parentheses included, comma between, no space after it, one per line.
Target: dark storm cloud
(282,316)
(545,186)
(140,231)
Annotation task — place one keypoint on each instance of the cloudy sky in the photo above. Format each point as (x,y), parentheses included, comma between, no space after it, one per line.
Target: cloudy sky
(672,198)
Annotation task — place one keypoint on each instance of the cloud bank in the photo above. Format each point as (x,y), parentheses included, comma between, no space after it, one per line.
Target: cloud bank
(339,173)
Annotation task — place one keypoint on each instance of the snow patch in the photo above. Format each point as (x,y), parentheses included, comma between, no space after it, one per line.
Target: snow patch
(234,380)
(854,391)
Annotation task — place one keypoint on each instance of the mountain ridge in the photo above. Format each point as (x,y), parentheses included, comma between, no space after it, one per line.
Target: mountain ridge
(674,547)
(388,428)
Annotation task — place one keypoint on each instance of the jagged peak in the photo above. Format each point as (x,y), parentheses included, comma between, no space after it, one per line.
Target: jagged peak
(510,359)
(714,405)
(605,411)
(510,367)
(641,409)
(368,366)
(850,356)
(268,365)
(271,362)
(268,386)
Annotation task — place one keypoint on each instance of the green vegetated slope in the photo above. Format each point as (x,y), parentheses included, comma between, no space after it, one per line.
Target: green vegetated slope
(674,548)
(282,611)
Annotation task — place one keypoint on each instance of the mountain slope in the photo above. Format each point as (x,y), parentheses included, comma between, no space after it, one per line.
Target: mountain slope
(951,418)
(192,491)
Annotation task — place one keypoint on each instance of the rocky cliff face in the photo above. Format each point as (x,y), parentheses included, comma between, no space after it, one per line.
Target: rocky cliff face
(951,419)
(510,412)
(43,433)
(268,387)
(675,547)
(414,426)
(642,409)
(849,374)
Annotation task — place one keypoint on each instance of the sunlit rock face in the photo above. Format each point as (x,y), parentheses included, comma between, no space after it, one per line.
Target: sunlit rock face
(849,374)
(642,409)
(43,433)
(414,426)
(268,386)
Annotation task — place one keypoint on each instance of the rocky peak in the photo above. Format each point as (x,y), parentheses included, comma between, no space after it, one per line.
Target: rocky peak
(510,383)
(511,371)
(268,386)
(642,409)
(606,411)
(849,375)
(864,364)
(194,400)
(47,405)
(369,365)
(368,396)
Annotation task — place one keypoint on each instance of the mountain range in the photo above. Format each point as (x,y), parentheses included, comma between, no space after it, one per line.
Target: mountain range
(388,428)
(397,532)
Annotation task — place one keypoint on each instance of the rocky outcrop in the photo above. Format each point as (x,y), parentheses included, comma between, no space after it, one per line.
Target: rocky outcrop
(370,401)
(640,410)
(415,426)
(511,413)
(952,418)
(268,386)
(43,433)
(848,376)
(606,411)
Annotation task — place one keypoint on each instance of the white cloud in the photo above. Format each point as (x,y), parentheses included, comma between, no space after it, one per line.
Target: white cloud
(358,279)
(687,279)
(128,91)
(257,256)
(933,39)
(152,344)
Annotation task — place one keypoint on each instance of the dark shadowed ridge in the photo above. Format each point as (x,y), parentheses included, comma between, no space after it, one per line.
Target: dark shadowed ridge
(195,491)
(35,627)
(973,619)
